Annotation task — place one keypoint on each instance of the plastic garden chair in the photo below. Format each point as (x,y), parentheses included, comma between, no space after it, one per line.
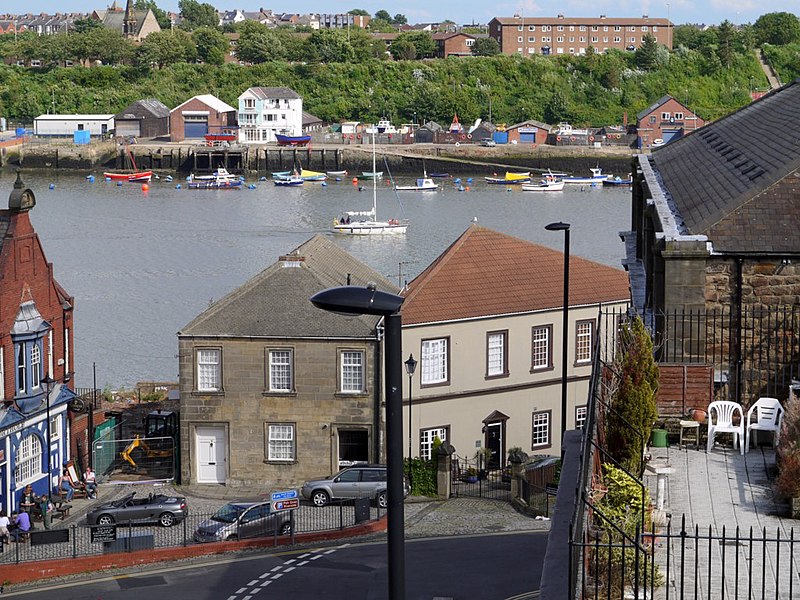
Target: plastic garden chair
(769,414)
(720,420)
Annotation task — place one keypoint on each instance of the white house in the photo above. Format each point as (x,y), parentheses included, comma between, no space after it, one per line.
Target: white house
(67,125)
(265,111)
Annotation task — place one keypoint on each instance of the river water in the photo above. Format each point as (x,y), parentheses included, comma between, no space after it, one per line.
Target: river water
(142,265)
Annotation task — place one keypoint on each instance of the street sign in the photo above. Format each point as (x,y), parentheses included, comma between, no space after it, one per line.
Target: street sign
(287,495)
(285,504)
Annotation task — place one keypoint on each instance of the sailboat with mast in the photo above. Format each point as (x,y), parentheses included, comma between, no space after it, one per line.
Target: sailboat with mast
(366,222)
(133,176)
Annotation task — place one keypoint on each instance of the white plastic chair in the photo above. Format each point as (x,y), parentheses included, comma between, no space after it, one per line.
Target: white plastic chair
(769,413)
(720,420)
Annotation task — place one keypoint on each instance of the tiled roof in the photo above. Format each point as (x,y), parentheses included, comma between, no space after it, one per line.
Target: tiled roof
(653,107)
(717,176)
(267,93)
(275,303)
(529,122)
(4,223)
(211,101)
(151,105)
(534,20)
(486,273)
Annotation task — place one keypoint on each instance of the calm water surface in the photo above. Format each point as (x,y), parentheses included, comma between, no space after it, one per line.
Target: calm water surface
(142,265)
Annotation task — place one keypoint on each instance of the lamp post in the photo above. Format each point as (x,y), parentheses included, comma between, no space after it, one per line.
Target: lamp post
(354,300)
(565,325)
(411,366)
(47,381)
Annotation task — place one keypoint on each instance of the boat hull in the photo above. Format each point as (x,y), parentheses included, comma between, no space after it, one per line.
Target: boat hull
(214,185)
(288,182)
(370,228)
(371,175)
(504,181)
(292,140)
(141,176)
(544,187)
(584,180)
(613,182)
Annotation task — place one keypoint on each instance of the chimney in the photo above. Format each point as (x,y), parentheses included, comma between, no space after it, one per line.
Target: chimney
(291,260)
(561,17)
(602,16)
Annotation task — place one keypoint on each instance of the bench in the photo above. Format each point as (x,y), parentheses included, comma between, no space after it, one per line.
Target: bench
(63,510)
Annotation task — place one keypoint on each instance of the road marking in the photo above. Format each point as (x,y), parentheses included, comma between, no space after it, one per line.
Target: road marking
(303,563)
(291,560)
(331,551)
(252,583)
(247,597)
(290,569)
(316,556)
(278,568)
(277,576)
(241,590)
(266,583)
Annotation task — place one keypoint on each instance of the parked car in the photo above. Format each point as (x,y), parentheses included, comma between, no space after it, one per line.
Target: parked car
(161,509)
(240,520)
(357,481)
(488,142)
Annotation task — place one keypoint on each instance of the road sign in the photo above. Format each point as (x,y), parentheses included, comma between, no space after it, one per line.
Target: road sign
(285,504)
(287,495)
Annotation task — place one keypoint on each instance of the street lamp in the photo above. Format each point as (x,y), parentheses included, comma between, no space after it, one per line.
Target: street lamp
(48,381)
(411,366)
(565,326)
(353,300)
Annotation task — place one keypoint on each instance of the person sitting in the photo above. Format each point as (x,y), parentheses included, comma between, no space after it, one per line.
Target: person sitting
(65,486)
(90,481)
(22,526)
(4,524)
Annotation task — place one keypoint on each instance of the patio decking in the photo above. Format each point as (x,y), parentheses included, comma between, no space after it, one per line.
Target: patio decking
(717,493)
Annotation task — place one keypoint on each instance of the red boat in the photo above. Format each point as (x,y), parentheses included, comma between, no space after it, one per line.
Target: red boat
(225,134)
(133,177)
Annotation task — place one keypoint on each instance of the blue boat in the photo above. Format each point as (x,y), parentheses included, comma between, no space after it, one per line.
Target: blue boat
(292,140)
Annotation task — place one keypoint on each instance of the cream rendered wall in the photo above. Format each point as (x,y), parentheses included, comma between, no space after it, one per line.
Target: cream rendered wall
(470,396)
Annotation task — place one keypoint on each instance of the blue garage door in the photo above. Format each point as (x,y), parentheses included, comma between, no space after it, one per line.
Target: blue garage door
(195,129)
(670,135)
(527,138)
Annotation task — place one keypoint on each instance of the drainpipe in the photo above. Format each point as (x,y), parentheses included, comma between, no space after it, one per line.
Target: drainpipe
(738,348)
(377,436)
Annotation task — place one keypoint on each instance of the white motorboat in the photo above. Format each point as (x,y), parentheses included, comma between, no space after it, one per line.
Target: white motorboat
(550,183)
(597,177)
(219,179)
(366,222)
(424,184)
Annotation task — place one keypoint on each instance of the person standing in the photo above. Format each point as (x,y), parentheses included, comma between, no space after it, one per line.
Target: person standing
(90,480)
(47,509)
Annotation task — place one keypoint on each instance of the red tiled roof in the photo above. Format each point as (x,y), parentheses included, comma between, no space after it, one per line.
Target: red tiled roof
(486,273)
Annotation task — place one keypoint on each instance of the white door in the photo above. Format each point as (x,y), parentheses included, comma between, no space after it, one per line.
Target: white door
(211,454)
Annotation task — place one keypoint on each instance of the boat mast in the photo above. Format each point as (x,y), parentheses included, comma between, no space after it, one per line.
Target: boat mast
(374,183)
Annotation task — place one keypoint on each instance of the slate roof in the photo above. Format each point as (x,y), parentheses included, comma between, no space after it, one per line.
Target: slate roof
(155,107)
(115,19)
(275,303)
(267,93)
(487,273)
(716,176)
(533,122)
(211,101)
(663,100)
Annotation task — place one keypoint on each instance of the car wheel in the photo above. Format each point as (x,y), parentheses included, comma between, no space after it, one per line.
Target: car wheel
(105,520)
(286,529)
(320,498)
(166,519)
(383,501)
(232,538)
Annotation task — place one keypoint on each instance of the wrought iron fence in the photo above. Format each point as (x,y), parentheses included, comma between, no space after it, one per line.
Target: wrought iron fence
(471,478)
(82,540)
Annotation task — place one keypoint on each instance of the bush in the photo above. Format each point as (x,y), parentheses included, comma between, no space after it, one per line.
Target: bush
(787,484)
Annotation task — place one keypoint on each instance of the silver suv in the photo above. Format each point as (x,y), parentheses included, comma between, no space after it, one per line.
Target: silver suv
(239,520)
(358,481)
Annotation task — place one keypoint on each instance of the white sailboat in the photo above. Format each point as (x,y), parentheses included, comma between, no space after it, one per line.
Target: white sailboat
(365,222)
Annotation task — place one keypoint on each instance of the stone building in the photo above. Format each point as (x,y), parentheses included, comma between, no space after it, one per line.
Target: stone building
(714,219)
(35,358)
(275,391)
(133,24)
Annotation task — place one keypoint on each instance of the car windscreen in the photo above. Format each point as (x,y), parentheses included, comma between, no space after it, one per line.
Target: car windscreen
(228,513)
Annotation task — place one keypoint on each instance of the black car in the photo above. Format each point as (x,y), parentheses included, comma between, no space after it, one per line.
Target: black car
(159,508)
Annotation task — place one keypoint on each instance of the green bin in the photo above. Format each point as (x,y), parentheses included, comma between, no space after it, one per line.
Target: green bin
(658,438)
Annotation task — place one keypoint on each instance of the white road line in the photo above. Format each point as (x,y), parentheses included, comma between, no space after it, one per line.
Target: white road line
(241,590)
(331,551)
(316,556)
(291,560)
(278,568)
(303,563)
(231,597)
(266,583)
(290,569)
(252,583)
(247,597)
(263,575)
(277,576)
(307,554)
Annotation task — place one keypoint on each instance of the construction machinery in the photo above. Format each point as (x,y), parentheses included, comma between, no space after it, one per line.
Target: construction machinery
(158,441)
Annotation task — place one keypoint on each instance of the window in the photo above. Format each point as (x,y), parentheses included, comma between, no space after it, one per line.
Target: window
(605,27)
(583,341)
(209,370)
(469,43)
(55,427)
(352,375)
(617,28)
(519,27)
(665,116)
(531,39)
(541,430)
(560,28)
(594,39)
(249,103)
(571,39)
(66,351)
(434,361)
(582,39)
(496,351)
(679,116)
(582,28)
(572,27)
(652,119)
(655,28)
(632,28)
(49,354)
(29,460)
(541,340)
(617,39)
(427,437)
(519,39)
(594,28)
(531,27)
(580,416)
(605,39)
(644,27)
(531,50)
(280,442)
(22,380)
(560,39)
(2,375)
(36,62)
(633,40)
(280,370)
(36,366)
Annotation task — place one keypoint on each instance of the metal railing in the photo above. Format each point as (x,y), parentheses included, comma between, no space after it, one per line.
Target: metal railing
(82,540)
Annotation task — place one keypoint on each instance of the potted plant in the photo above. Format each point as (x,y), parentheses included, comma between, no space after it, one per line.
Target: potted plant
(470,475)
(787,483)
(482,458)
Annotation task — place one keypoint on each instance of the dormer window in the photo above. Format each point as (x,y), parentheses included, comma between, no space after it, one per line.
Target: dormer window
(36,367)
(22,379)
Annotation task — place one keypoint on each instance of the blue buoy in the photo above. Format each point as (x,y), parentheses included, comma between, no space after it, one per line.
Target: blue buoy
(324,184)
(469,179)
(252,186)
(52,186)
(457,180)
(262,178)
(108,179)
(90,178)
(508,189)
(338,179)
(188,178)
(178,186)
(119,184)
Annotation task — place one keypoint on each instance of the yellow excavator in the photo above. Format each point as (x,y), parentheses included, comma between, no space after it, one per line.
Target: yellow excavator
(159,439)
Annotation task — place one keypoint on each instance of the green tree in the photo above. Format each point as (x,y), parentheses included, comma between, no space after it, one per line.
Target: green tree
(399,19)
(381,26)
(196,15)
(726,39)
(358,12)
(383,15)
(403,48)
(331,45)
(84,25)
(102,44)
(211,45)
(161,15)
(778,29)
(557,107)
(485,47)
(647,53)
(165,48)
(257,43)
(633,403)
(423,42)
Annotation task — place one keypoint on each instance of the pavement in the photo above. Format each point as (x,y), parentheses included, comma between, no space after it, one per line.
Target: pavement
(723,494)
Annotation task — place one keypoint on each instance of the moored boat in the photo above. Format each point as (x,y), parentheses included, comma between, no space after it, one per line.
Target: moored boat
(219,179)
(597,177)
(371,174)
(336,173)
(289,181)
(510,178)
(139,176)
(223,133)
(292,140)
(550,183)
(303,174)
(423,184)
(618,181)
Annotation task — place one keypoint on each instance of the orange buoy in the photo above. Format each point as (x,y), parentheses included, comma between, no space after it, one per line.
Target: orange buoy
(355,180)
(466,189)
(145,187)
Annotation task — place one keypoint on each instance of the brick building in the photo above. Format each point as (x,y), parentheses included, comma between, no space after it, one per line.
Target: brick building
(527,36)
(275,391)
(453,44)
(35,357)
(197,116)
(667,120)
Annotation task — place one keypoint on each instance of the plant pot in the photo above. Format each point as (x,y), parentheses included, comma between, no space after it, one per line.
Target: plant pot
(471,479)
(698,414)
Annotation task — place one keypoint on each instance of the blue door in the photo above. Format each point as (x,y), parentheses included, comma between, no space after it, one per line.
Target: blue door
(527,138)
(195,129)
